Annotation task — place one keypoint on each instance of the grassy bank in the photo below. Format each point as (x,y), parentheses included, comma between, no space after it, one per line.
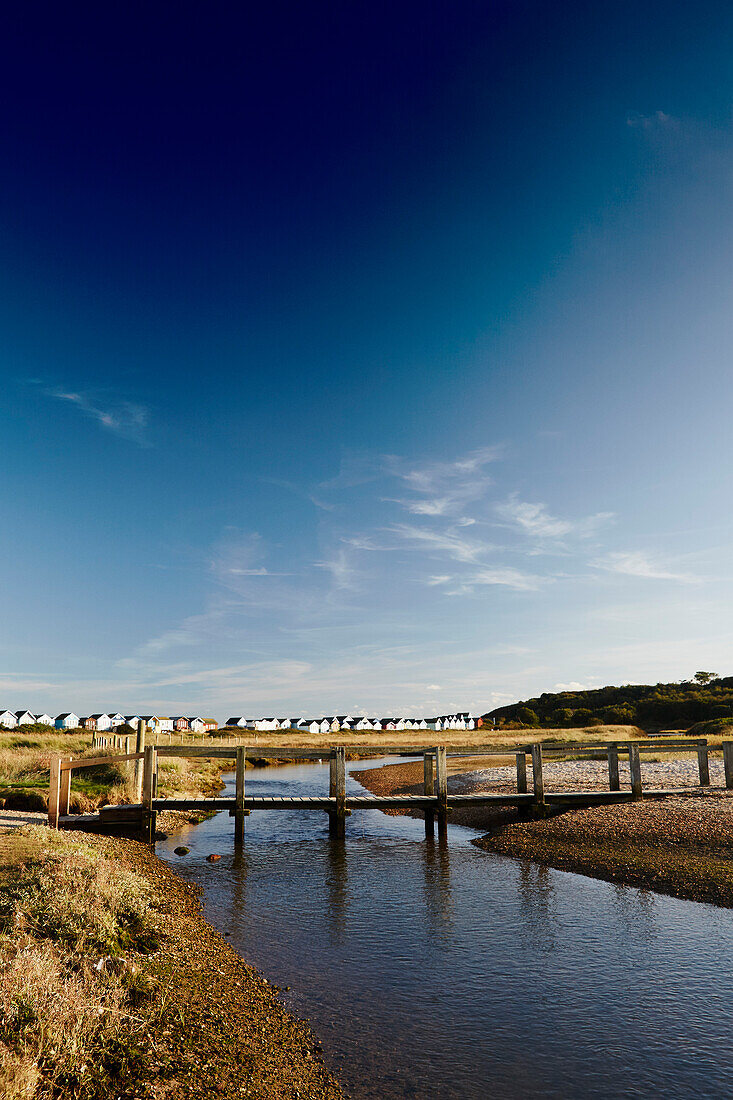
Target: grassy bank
(114,986)
(25,759)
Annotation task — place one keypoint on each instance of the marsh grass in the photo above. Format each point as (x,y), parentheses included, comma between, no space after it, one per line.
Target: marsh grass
(75,930)
(25,763)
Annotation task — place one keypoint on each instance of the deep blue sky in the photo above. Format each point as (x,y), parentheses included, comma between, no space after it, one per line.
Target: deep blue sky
(363,357)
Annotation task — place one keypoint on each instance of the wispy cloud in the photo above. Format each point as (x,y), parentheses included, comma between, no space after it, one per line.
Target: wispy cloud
(637,564)
(340,567)
(123,418)
(656,121)
(442,488)
(535,520)
(502,576)
(448,543)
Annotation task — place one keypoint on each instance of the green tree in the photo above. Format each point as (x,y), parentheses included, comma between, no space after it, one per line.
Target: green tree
(528,717)
(705,677)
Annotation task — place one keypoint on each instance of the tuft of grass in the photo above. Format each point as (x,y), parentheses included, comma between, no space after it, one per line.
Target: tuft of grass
(75,927)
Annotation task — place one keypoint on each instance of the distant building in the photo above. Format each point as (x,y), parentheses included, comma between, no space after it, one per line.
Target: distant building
(44,719)
(180,722)
(68,721)
(210,724)
(25,718)
(8,719)
(98,722)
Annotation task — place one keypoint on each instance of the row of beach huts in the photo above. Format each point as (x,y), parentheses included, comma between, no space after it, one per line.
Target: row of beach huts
(463,720)
(9,719)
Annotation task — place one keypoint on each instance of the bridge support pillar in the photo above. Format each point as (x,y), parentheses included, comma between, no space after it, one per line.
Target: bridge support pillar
(239,797)
(635,769)
(441,770)
(429,789)
(337,790)
(521,758)
(538,781)
(728,763)
(614,783)
(150,762)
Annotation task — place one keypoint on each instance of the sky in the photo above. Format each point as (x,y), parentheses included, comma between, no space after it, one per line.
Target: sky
(362,357)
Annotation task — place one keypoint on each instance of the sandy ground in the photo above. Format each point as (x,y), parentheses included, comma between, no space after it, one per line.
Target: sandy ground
(11,819)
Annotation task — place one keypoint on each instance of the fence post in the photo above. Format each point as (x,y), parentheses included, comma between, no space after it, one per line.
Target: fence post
(538,780)
(703,765)
(54,791)
(148,793)
(635,769)
(139,747)
(239,798)
(614,783)
(521,772)
(65,792)
(428,790)
(728,763)
(441,769)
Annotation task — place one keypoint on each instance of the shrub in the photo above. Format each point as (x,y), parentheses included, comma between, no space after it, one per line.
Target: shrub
(714,727)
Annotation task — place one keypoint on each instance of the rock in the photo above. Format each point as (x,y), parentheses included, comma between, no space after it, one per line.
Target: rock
(213,858)
(181,850)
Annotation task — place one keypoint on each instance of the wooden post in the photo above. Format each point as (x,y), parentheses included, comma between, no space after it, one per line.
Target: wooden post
(54,791)
(429,789)
(239,803)
(635,769)
(441,769)
(139,747)
(521,772)
(538,781)
(337,790)
(728,763)
(614,783)
(703,766)
(65,792)
(148,793)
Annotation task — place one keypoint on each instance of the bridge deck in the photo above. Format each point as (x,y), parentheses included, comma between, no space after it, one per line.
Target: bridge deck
(402,801)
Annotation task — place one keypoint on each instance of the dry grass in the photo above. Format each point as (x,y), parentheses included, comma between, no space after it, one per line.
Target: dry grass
(25,761)
(68,997)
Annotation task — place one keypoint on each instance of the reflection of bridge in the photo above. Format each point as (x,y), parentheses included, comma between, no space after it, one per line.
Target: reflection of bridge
(435,801)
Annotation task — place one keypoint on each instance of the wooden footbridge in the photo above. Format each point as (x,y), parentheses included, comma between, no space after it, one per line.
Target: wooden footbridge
(435,801)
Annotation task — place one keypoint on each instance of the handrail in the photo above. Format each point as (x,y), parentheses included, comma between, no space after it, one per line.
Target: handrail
(93,762)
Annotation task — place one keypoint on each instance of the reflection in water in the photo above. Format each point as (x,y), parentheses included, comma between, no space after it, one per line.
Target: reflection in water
(536,896)
(336,884)
(442,972)
(437,892)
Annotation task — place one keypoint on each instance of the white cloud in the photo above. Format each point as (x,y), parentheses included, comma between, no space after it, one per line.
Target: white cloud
(536,521)
(637,564)
(574,685)
(452,545)
(442,488)
(341,570)
(124,418)
(657,120)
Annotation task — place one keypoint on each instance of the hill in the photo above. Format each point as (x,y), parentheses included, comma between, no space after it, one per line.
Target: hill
(650,706)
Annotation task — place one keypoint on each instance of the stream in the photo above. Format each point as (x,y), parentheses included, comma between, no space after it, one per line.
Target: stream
(442,972)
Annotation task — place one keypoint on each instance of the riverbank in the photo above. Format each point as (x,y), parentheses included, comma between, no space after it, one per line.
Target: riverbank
(680,846)
(113,985)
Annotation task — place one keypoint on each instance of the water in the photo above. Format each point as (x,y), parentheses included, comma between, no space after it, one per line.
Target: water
(441,971)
